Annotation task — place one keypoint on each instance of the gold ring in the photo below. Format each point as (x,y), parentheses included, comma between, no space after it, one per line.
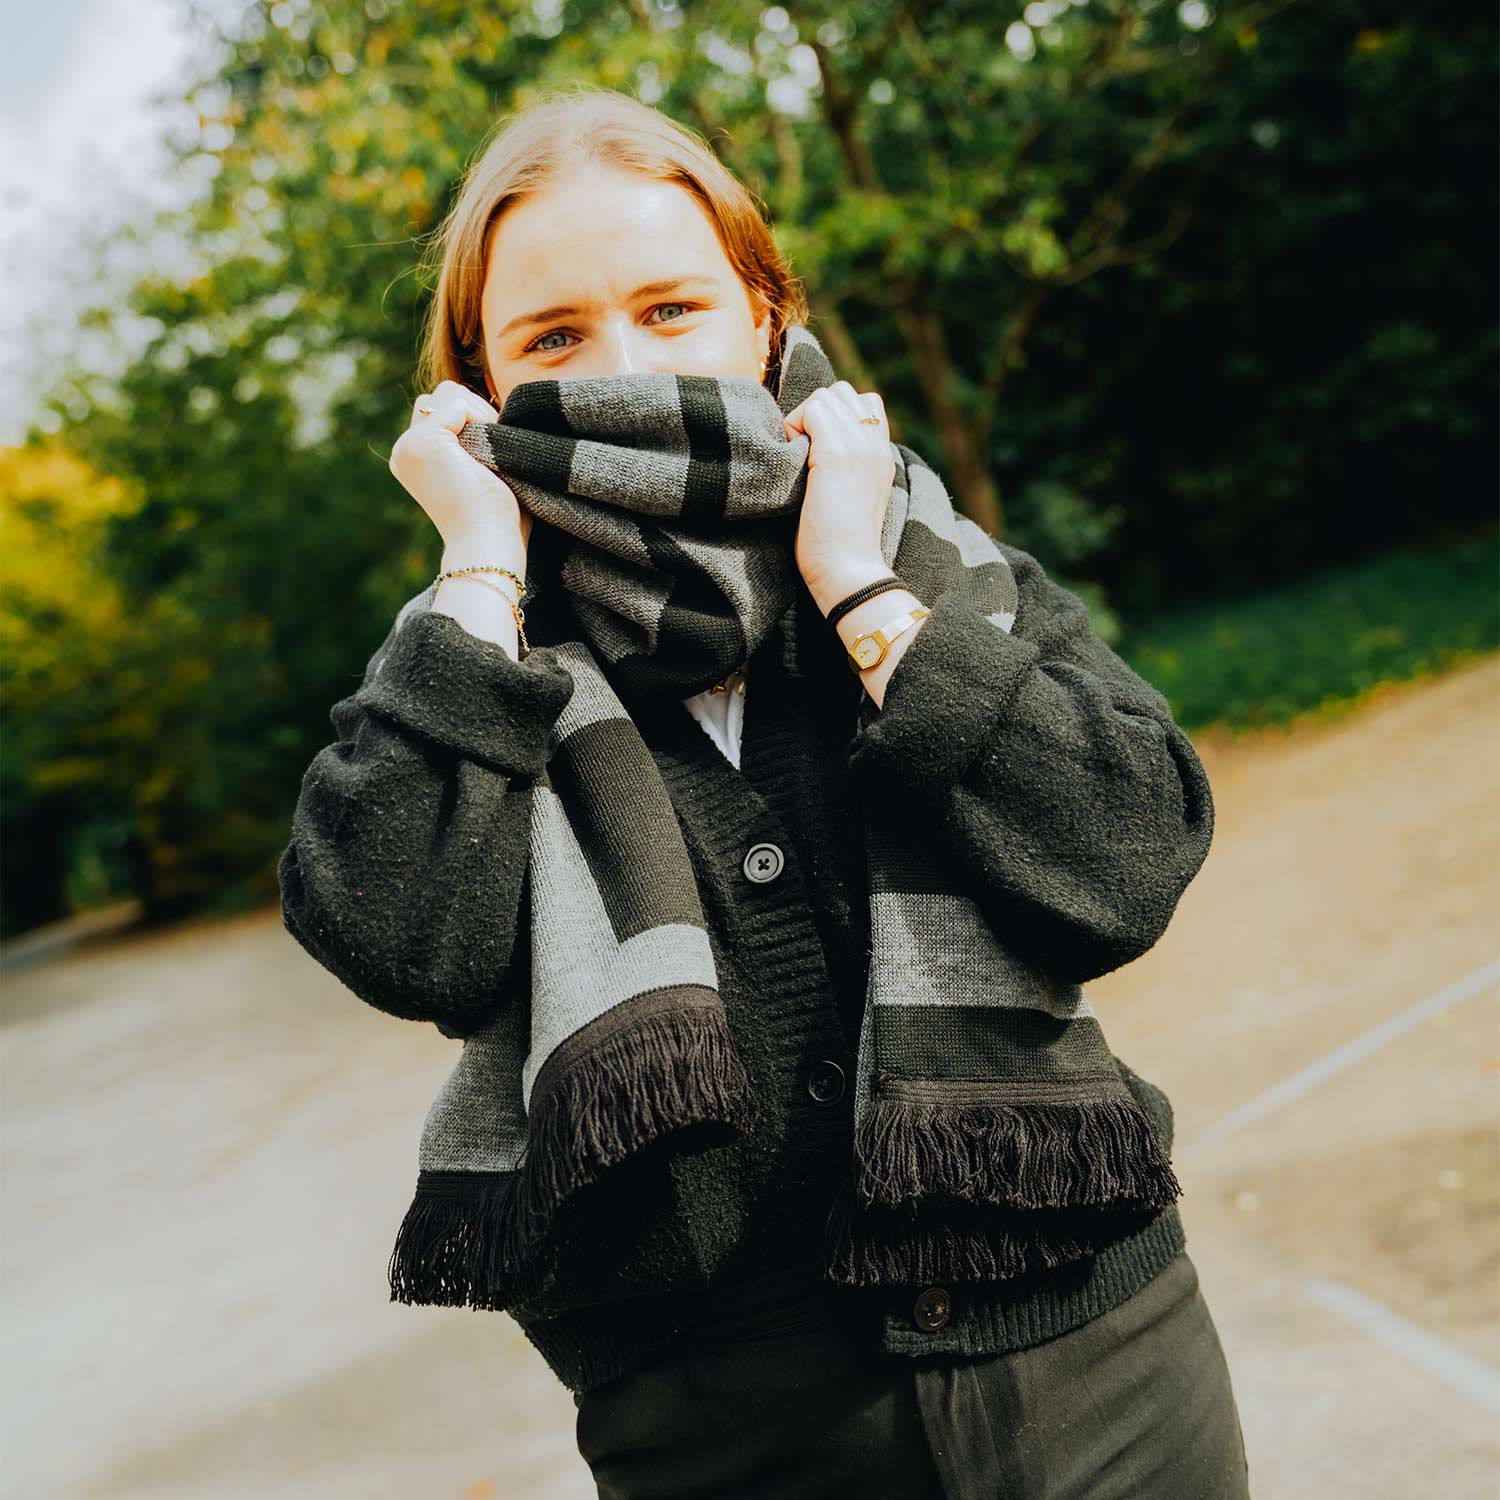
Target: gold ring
(873,421)
(425,410)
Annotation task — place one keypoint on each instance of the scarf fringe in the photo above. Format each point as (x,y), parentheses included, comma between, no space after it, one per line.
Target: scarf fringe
(1099,1152)
(868,1247)
(448,1249)
(675,1073)
(470,1238)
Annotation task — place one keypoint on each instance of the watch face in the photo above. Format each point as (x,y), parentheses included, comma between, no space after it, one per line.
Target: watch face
(867,652)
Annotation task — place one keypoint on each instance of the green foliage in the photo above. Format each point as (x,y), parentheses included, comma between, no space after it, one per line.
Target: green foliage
(1184,299)
(1325,641)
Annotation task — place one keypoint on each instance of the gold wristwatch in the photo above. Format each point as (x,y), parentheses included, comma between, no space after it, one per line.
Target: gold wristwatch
(868,650)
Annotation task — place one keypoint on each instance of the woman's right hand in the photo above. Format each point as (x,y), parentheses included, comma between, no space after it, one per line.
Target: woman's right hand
(461,496)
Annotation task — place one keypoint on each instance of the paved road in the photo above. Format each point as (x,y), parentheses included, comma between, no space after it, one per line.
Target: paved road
(208,1143)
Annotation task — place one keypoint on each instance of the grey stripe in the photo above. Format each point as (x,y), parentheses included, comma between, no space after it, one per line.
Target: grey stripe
(579,970)
(634,412)
(592,700)
(621,620)
(477,1123)
(932,949)
(652,484)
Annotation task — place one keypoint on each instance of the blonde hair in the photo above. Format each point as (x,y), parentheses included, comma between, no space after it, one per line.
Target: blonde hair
(576,125)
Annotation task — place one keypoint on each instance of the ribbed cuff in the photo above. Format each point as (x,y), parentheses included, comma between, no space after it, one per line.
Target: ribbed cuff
(470,695)
(944,698)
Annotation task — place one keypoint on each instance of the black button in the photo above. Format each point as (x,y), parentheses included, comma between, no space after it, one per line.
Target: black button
(825,1082)
(932,1308)
(764,862)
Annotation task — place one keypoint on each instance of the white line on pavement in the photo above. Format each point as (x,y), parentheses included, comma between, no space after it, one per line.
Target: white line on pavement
(1306,1079)
(1471,1378)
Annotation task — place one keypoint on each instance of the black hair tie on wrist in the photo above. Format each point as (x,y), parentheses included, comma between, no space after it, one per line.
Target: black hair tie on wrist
(868,591)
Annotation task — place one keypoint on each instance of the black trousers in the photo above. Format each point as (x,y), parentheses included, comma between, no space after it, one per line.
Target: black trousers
(795,1400)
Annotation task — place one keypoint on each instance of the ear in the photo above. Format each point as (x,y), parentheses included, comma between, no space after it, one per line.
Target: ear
(763,336)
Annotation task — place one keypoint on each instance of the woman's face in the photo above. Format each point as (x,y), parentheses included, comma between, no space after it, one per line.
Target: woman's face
(614,273)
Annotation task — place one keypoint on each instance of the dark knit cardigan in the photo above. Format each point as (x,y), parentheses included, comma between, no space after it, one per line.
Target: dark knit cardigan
(1051,773)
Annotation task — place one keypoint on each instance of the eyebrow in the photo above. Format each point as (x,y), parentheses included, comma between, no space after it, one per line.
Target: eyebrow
(647,289)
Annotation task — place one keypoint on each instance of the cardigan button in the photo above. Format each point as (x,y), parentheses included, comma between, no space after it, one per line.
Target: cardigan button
(764,862)
(931,1309)
(825,1082)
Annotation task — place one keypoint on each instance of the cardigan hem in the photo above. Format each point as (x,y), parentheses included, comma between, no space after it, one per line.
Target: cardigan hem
(589,1347)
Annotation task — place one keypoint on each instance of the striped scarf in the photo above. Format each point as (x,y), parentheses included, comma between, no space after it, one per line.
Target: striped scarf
(994,1132)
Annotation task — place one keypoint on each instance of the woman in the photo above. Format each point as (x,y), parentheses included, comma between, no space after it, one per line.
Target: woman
(849,894)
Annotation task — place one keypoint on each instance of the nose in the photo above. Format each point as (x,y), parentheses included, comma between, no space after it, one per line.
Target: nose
(622,347)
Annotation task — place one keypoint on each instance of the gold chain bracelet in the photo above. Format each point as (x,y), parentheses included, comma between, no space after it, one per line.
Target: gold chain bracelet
(515,604)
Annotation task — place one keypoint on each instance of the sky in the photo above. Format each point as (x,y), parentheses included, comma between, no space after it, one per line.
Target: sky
(81,153)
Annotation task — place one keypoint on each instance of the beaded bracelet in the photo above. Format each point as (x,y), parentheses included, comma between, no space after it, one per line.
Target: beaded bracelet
(523,593)
(868,591)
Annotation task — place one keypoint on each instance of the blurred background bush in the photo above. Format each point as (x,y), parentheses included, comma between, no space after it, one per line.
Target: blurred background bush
(1195,302)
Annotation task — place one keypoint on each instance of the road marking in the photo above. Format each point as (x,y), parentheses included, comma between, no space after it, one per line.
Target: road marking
(1474,1380)
(1306,1079)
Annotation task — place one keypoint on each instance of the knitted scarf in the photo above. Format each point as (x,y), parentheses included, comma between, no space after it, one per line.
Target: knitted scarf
(994,1132)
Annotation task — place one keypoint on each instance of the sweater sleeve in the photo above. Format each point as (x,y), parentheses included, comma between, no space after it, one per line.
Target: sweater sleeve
(408,851)
(1052,772)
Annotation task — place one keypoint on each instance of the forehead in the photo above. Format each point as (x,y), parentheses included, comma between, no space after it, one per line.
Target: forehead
(595,237)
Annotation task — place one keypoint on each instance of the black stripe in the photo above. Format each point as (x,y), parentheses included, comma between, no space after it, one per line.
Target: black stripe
(987,1041)
(633,845)
(707,426)
(533,439)
(707,635)
(537,406)
(931,564)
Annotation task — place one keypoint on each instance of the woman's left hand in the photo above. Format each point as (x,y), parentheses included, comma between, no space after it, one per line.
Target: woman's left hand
(851,465)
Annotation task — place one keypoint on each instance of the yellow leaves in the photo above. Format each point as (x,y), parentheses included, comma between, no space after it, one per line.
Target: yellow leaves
(56,610)
(53,507)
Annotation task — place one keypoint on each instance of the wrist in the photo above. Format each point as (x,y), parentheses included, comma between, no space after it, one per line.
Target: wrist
(503,546)
(829,585)
(874,613)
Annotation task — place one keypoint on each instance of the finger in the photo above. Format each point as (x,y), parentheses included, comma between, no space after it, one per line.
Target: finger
(868,404)
(431,408)
(848,403)
(846,412)
(848,398)
(861,406)
(460,392)
(816,413)
(450,406)
(795,421)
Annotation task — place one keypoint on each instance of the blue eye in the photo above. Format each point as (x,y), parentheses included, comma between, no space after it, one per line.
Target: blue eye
(539,347)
